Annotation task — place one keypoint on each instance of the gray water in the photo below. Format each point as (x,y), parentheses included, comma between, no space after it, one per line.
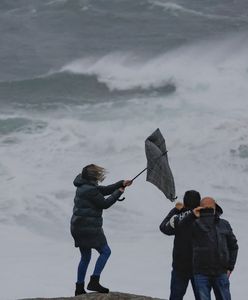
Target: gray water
(38,38)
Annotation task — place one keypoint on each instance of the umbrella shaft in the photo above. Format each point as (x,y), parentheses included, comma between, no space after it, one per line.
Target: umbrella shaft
(139,174)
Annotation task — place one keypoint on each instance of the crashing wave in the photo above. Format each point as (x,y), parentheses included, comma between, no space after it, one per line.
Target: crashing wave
(79,88)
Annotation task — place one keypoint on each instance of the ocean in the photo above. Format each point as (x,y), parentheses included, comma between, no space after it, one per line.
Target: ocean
(87,81)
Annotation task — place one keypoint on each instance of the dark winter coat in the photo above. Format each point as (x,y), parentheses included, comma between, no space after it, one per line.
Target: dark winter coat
(215,246)
(182,250)
(89,202)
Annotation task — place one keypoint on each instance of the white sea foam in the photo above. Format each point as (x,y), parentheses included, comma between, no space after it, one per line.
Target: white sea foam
(82,4)
(175,9)
(52,2)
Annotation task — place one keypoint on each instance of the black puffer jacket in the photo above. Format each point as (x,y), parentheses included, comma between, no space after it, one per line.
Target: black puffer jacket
(89,202)
(215,246)
(182,250)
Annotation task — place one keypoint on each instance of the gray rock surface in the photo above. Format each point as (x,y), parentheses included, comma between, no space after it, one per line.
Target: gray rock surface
(97,296)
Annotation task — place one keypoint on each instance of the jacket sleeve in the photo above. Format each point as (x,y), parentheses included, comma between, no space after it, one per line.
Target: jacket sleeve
(186,220)
(233,247)
(109,189)
(166,226)
(103,203)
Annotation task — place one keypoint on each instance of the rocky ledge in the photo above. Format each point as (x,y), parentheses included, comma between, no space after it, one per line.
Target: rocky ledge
(97,296)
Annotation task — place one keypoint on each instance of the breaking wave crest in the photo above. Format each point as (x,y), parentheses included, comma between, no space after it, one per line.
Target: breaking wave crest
(79,88)
(123,75)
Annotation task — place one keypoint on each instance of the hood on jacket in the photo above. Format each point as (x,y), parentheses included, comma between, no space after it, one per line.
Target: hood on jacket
(79,181)
(219,210)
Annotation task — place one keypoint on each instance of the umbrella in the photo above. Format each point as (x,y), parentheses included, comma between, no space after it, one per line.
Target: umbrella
(158,169)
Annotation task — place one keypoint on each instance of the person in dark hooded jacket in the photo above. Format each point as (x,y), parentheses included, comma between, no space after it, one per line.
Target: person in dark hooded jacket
(87,221)
(182,251)
(215,250)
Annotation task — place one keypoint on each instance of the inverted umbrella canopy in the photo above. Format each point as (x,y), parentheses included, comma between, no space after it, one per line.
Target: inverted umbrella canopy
(158,169)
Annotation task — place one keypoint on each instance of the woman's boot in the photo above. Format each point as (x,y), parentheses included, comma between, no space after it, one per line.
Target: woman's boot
(80,289)
(95,286)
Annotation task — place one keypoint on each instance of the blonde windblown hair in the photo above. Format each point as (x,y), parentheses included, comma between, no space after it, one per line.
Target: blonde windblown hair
(94,173)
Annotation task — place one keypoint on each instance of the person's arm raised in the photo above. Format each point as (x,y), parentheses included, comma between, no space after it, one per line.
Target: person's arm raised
(109,189)
(167,225)
(103,203)
(188,218)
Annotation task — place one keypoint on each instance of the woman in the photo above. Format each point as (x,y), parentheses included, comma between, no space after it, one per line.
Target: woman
(86,222)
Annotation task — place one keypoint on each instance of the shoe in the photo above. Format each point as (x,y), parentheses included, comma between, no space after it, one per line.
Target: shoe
(80,289)
(95,286)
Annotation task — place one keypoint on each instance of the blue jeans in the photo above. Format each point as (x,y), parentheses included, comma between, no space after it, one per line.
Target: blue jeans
(220,285)
(179,284)
(85,260)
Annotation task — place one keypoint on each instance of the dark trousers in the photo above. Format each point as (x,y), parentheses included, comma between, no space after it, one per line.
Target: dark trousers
(179,284)
(85,260)
(220,285)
